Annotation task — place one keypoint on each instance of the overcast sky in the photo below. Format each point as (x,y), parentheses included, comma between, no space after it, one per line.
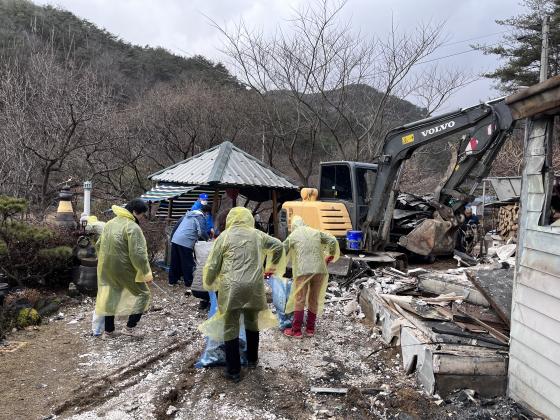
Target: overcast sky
(181,26)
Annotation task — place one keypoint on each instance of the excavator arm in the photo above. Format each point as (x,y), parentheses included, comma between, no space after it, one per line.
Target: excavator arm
(485,126)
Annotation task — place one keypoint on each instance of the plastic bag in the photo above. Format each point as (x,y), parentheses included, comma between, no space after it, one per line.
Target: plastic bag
(97,324)
(201,250)
(280,293)
(214,353)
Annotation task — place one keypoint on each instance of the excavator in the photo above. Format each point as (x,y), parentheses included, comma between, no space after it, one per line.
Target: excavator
(356,196)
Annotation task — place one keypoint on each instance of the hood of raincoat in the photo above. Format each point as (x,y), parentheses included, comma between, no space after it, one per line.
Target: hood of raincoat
(197,205)
(240,216)
(194,213)
(122,212)
(297,221)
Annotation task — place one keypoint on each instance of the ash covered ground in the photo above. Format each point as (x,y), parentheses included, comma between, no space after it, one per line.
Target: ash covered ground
(63,372)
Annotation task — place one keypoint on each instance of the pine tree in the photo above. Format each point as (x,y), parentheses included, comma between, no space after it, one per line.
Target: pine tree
(28,252)
(521,48)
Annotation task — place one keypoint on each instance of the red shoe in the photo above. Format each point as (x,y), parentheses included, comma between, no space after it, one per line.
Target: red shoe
(292,332)
(295,331)
(310,327)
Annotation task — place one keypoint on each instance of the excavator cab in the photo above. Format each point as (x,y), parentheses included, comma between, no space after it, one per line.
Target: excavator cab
(350,183)
(341,202)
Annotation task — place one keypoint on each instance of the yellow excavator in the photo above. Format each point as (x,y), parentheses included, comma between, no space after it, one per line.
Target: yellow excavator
(355,201)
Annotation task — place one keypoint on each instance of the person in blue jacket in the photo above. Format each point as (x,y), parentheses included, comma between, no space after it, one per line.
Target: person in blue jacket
(198,204)
(188,230)
(470,219)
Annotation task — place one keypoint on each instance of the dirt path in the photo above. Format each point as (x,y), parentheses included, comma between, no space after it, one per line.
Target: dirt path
(41,373)
(154,378)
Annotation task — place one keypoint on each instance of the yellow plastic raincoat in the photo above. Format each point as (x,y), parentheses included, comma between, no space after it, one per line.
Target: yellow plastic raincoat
(234,269)
(307,249)
(123,267)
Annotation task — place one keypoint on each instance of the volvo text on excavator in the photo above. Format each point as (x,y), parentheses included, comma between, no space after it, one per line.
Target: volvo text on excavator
(354,196)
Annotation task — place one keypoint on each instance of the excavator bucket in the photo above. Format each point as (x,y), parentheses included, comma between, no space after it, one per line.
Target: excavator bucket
(431,237)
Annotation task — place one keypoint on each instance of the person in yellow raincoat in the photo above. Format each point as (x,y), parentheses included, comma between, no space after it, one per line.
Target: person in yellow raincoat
(234,269)
(310,250)
(123,268)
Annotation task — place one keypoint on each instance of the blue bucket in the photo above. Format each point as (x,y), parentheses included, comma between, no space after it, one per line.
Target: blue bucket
(354,239)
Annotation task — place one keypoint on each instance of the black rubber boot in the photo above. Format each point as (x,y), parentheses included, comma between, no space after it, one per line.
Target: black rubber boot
(233,363)
(252,348)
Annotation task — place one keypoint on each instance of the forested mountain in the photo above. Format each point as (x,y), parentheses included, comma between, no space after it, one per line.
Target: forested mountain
(24,26)
(77,102)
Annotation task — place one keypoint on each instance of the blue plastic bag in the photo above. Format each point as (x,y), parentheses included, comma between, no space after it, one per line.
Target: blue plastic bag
(214,353)
(280,293)
(97,324)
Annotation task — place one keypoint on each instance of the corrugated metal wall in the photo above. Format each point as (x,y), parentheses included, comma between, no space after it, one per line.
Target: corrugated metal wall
(183,203)
(534,367)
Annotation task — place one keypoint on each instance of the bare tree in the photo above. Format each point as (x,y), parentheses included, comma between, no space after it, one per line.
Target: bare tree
(51,109)
(182,120)
(434,86)
(340,86)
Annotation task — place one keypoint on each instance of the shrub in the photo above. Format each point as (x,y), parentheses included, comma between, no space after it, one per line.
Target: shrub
(27,317)
(31,254)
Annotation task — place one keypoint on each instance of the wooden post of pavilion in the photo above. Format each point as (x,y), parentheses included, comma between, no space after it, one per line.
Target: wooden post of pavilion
(215,203)
(170,210)
(215,206)
(275,212)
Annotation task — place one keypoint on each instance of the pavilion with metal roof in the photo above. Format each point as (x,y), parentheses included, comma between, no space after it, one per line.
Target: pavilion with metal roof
(223,168)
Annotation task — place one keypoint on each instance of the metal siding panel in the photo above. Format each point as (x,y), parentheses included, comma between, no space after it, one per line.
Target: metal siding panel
(534,202)
(543,282)
(544,241)
(533,218)
(520,391)
(534,165)
(546,326)
(535,341)
(542,386)
(536,135)
(553,230)
(545,263)
(535,184)
(540,302)
(545,367)
(525,382)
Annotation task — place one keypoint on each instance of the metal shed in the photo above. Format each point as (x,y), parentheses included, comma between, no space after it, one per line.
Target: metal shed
(506,187)
(225,168)
(534,367)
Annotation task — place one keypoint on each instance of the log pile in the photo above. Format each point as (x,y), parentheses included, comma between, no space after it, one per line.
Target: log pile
(508,221)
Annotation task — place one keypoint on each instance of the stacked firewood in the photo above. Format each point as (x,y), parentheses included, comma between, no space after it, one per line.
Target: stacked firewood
(508,221)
